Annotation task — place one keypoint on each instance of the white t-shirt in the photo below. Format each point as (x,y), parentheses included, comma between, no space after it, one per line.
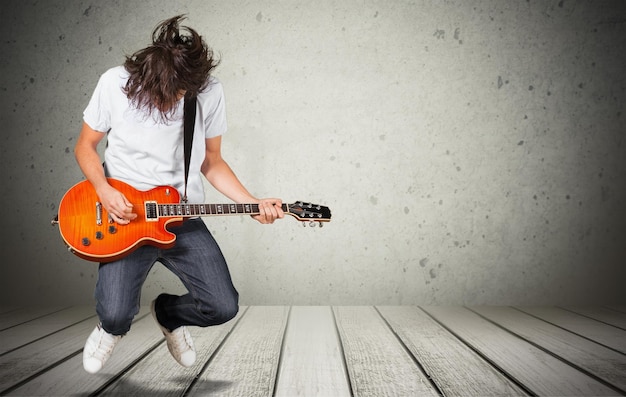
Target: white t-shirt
(145,152)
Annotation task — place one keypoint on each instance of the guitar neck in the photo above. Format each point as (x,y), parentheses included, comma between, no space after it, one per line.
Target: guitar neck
(155,210)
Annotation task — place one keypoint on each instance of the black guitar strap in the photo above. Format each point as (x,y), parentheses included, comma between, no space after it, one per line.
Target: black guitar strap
(189,121)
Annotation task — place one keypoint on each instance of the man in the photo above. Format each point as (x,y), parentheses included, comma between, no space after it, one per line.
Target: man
(139,107)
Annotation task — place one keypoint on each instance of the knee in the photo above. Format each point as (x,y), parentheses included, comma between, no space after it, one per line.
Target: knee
(219,314)
(116,322)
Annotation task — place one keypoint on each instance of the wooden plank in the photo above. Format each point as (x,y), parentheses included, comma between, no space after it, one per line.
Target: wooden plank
(451,364)
(538,371)
(246,364)
(11,318)
(158,374)
(23,363)
(378,365)
(19,335)
(607,316)
(597,331)
(604,363)
(69,377)
(312,361)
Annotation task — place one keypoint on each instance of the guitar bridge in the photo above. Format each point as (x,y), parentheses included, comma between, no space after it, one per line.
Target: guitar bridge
(98,213)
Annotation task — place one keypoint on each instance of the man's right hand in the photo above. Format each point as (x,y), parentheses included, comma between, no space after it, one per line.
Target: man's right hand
(116,204)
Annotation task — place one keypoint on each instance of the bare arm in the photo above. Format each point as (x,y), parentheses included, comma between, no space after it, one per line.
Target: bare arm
(222,177)
(89,162)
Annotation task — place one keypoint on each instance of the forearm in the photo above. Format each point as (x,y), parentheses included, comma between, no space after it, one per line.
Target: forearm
(223,179)
(90,164)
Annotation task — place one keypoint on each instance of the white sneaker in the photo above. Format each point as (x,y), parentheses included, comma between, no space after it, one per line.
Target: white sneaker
(179,342)
(98,349)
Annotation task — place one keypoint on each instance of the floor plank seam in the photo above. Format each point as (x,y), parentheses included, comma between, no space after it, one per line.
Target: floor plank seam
(592,318)
(616,310)
(281,352)
(209,360)
(7,311)
(36,318)
(45,336)
(408,351)
(39,373)
(553,354)
(342,350)
(570,331)
(480,354)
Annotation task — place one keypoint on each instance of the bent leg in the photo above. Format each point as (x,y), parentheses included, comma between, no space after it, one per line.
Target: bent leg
(198,261)
(118,289)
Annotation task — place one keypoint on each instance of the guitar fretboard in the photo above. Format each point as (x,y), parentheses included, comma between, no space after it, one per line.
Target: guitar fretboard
(154,210)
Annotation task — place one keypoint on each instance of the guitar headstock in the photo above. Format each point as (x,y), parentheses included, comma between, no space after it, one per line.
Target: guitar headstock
(309,213)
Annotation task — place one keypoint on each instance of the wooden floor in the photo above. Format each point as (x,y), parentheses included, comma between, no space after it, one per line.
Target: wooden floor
(329,351)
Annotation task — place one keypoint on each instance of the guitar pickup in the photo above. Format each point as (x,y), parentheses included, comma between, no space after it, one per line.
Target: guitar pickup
(151,208)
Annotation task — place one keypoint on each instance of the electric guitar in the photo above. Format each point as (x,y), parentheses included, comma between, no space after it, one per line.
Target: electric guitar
(91,234)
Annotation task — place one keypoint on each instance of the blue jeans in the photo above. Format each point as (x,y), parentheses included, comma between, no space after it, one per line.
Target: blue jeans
(195,258)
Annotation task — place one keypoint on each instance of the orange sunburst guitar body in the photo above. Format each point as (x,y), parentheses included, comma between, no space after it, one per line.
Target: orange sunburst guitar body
(85,226)
(89,233)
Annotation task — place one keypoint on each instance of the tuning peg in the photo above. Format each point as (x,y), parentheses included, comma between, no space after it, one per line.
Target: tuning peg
(312,224)
(321,224)
(303,224)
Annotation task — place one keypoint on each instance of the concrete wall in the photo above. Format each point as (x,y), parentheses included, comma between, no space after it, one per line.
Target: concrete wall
(472,152)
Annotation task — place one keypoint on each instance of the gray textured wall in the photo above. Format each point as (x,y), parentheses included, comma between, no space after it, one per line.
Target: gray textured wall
(471,151)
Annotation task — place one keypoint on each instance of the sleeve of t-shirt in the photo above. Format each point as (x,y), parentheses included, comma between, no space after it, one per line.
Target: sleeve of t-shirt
(97,113)
(214,110)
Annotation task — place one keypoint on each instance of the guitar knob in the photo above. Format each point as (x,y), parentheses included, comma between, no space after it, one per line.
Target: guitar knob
(112,229)
(99,235)
(85,241)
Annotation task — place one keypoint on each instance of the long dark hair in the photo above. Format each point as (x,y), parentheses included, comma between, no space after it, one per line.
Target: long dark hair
(175,62)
